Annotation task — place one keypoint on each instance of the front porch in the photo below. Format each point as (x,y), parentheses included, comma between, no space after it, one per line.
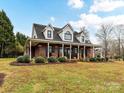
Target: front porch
(48,48)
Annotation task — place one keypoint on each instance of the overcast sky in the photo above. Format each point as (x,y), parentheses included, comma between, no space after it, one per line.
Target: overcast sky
(89,13)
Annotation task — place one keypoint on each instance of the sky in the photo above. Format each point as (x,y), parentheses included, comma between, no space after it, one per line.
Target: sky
(79,13)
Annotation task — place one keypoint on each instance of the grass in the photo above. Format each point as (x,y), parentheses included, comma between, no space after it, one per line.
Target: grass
(63,78)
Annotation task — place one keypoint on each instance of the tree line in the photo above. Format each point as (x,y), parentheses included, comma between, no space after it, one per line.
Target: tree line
(11,45)
(112,40)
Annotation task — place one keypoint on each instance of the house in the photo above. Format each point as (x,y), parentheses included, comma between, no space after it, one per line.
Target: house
(49,41)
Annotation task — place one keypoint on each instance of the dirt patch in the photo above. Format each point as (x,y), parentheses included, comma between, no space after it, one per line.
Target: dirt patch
(31,64)
(2,76)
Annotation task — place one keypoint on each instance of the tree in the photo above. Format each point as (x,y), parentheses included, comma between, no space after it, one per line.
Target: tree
(84,30)
(21,38)
(6,33)
(119,34)
(105,34)
(20,42)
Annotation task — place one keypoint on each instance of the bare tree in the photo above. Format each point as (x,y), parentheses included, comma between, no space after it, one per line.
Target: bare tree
(119,35)
(122,46)
(105,34)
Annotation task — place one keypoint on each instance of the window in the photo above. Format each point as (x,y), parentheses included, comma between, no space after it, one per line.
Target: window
(60,49)
(51,49)
(49,34)
(76,50)
(82,39)
(67,36)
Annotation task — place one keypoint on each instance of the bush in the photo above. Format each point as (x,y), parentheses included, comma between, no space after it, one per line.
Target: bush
(62,59)
(40,59)
(106,59)
(93,59)
(23,59)
(20,59)
(52,59)
(117,57)
(102,59)
(26,58)
(98,56)
(98,59)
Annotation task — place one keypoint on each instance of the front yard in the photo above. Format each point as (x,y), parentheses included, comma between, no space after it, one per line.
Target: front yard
(78,77)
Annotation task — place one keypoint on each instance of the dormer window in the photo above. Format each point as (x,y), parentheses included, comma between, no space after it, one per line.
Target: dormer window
(49,34)
(68,36)
(82,38)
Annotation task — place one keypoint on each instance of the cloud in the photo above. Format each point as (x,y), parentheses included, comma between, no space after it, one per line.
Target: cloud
(52,19)
(76,3)
(105,5)
(92,22)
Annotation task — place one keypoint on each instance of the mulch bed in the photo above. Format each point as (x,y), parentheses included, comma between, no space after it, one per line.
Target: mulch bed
(20,64)
(31,64)
(2,76)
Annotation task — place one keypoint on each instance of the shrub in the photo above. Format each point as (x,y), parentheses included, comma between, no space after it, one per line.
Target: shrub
(23,59)
(106,59)
(98,56)
(52,59)
(62,59)
(20,59)
(26,58)
(93,59)
(40,59)
(102,59)
(98,59)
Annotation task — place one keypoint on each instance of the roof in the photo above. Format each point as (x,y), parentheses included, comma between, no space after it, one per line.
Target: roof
(39,31)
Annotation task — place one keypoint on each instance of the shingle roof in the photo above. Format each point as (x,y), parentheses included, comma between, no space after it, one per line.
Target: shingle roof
(39,31)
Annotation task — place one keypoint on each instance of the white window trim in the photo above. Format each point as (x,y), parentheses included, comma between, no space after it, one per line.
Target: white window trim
(68,34)
(51,34)
(46,29)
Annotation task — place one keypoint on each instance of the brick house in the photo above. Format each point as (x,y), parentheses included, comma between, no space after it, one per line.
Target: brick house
(49,41)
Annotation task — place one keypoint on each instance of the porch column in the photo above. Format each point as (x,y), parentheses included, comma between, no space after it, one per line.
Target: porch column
(62,50)
(78,52)
(70,51)
(101,52)
(30,49)
(48,49)
(84,54)
(93,52)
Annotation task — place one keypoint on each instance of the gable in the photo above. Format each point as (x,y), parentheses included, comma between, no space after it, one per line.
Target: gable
(46,31)
(81,37)
(34,34)
(65,29)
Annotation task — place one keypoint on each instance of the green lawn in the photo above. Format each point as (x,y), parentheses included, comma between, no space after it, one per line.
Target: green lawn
(63,78)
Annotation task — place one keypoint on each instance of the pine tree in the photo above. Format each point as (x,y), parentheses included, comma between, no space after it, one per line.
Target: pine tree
(7,37)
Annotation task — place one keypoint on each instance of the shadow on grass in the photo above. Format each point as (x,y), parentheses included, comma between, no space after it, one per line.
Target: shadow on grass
(2,76)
